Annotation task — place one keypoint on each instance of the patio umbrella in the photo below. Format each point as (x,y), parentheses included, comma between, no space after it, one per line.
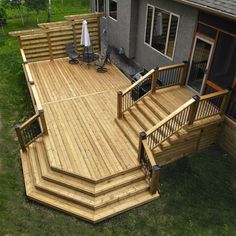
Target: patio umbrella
(85,39)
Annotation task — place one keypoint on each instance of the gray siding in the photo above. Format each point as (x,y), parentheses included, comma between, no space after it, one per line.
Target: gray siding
(129,30)
(149,57)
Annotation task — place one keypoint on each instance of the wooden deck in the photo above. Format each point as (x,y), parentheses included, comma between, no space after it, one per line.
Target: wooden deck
(87,165)
(80,109)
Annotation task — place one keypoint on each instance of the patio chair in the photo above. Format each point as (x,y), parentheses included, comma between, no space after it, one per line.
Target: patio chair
(72,53)
(101,63)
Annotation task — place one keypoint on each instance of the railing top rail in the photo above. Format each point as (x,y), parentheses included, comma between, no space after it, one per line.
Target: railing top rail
(212,95)
(172,115)
(149,152)
(171,67)
(138,81)
(29,121)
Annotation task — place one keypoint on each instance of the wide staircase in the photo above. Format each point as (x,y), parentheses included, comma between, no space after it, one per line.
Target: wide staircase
(168,121)
(163,125)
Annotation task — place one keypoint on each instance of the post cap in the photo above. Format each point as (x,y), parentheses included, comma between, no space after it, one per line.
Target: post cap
(156,168)
(119,92)
(196,97)
(41,111)
(17,126)
(142,135)
(186,62)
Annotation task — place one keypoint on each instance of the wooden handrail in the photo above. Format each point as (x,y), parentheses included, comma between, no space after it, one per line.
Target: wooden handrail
(169,117)
(138,82)
(29,121)
(171,67)
(23,55)
(212,95)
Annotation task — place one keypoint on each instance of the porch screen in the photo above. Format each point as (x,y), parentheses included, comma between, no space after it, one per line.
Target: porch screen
(161,30)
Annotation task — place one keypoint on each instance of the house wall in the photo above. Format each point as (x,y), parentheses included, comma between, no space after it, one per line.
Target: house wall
(227,137)
(129,31)
(149,57)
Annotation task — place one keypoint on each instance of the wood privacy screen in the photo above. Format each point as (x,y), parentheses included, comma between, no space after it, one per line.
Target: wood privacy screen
(48,41)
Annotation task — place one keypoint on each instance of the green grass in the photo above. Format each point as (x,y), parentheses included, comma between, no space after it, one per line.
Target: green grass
(198,194)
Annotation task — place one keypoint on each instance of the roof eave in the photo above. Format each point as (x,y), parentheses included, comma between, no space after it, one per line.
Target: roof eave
(208,9)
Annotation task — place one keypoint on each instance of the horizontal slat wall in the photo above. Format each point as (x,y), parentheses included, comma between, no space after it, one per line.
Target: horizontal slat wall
(35,47)
(227,139)
(49,41)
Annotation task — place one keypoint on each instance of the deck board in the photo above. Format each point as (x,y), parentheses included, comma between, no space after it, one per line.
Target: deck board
(80,107)
(80,111)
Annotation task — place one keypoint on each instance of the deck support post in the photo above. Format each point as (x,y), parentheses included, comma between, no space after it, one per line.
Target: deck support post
(119,104)
(193,110)
(20,138)
(154,185)
(225,103)
(43,121)
(142,136)
(154,80)
(184,72)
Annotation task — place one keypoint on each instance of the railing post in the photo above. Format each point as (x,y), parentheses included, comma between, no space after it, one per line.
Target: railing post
(142,136)
(119,104)
(154,80)
(193,110)
(184,73)
(20,138)
(43,121)
(154,185)
(225,103)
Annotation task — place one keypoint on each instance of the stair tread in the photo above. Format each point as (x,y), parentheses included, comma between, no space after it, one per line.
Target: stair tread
(154,107)
(148,113)
(133,123)
(93,216)
(82,185)
(128,132)
(140,118)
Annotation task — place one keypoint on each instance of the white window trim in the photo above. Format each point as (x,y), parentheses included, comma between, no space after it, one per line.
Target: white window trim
(109,11)
(168,32)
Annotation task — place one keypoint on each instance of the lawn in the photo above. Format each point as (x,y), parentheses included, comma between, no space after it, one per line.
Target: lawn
(198,194)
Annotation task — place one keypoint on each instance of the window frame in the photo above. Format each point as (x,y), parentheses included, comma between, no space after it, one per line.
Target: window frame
(97,7)
(168,30)
(109,11)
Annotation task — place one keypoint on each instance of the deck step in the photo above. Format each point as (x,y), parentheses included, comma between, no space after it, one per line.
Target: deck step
(148,101)
(103,207)
(140,118)
(128,132)
(83,186)
(149,114)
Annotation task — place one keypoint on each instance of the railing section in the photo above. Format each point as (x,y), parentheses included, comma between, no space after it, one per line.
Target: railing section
(154,79)
(193,110)
(32,129)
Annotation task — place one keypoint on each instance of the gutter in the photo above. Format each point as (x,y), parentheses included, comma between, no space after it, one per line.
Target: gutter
(208,9)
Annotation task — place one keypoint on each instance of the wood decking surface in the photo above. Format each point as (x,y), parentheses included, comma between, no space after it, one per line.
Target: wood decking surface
(80,107)
(80,110)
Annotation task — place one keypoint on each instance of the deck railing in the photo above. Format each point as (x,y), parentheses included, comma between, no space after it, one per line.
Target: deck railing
(148,163)
(193,110)
(155,79)
(32,129)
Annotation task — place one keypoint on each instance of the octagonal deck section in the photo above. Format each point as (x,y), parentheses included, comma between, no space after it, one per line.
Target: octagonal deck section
(80,108)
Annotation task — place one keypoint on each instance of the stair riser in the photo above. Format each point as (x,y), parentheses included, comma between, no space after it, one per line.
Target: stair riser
(93,194)
(81,203)
(97,181)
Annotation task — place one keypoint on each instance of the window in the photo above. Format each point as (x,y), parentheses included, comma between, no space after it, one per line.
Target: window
(113,9)
(100,5)
(161,30)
